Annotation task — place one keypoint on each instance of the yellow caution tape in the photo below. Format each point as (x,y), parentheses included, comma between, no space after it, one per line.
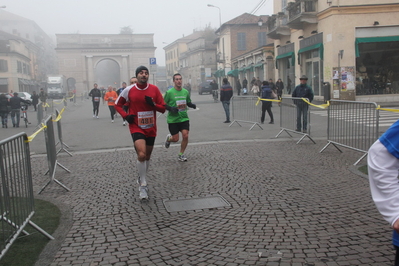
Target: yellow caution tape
(59,115)
(31,137)
(388,109)
(322,106)
(268,100)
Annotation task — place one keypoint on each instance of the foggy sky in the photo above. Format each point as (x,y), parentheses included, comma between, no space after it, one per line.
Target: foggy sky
(168,20)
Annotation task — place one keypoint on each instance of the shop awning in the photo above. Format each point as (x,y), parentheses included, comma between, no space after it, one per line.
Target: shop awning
(250,68)
(259,65)
(282,56)
(241,69)
(233,73)
(219,73)
(373,39)
(312,47)
(3,81)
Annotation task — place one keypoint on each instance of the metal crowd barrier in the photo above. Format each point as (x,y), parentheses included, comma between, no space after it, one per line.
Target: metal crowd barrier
(52,154)
(60,140)
(245,110)
(352,125)
(288,116)
(16,191)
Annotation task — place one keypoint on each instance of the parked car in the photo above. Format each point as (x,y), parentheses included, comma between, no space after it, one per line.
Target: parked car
(204,87)
(25,96)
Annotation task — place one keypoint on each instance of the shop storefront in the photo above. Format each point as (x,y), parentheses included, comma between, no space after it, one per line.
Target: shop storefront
(377,60)
(310,57)
(285,65)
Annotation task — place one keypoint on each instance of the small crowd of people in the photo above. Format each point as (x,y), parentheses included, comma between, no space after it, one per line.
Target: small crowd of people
(11,104)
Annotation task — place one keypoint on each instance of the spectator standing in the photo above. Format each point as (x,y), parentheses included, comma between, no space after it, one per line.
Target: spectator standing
(302,91)
(245,86)
(383,165)
(4,110)
(43,98)
(15,103)
(280,88)
(35,100)
(111,96)
(144,100)
(266,105)
(254,86)
(226,92)
(96,96)
(289,84)
(238,86)
(177,99)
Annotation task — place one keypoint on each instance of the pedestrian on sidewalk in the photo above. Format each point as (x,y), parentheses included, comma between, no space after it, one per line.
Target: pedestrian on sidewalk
(383,165)
(96,96)
(226,92)
(302,91)
(266,105)
(111,96)
(4,110)
(15,103)
(35,100)
(143,100)
(177,99)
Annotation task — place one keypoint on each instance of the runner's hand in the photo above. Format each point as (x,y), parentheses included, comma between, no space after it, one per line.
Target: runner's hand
(149,101)
(192,105)
(130,119)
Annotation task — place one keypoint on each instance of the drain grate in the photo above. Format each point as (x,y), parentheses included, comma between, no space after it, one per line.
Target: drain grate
(190,204)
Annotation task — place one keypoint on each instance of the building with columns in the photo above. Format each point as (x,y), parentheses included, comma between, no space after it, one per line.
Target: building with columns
(105,59)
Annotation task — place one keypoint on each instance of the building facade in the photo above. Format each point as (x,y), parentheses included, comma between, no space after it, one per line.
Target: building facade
(105,59)
(27,54)
(352,46)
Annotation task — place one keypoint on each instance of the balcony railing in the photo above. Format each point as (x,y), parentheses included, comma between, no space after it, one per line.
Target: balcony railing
(277,26)
(301,11)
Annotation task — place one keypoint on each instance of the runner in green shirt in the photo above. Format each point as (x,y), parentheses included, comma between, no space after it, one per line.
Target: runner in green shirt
(177,100)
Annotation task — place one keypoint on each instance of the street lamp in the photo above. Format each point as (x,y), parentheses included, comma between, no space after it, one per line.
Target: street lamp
(220,15)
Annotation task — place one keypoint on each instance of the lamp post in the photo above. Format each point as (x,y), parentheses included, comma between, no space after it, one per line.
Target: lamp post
(220,15)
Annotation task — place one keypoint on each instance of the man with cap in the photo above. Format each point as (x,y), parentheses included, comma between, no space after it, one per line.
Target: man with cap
(302,91)
(144,100)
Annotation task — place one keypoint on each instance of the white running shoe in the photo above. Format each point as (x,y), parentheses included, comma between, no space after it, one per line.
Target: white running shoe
(97,117)
(143,192)
(124,123)
(167,142)
(94,116)
(182,158)
(112,121)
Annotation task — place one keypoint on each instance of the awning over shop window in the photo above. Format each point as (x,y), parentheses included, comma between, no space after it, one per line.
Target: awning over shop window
(3,81)
(250,68)
(373,39)
(233,73)
(282,56)
(312,47)
(219,73)
(259,65)
(241,69)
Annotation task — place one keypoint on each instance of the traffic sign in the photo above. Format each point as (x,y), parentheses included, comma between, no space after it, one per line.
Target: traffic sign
(153,61)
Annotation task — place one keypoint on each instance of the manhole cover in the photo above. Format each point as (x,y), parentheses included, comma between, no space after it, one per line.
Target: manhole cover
(190,204)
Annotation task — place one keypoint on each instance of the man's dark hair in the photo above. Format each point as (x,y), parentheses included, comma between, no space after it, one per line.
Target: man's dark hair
(264,83)
(225,81)
(177,74)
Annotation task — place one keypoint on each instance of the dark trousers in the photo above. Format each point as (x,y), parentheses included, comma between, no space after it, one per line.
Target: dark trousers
(15,113)
(96,106)
(112,111)
(302,111)
(266,106)
(4,117)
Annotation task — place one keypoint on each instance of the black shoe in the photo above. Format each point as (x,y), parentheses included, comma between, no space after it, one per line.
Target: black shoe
(227,121)
(271,122)
(13,125)
(262,122)
(305,131)
(17,126)
(6,125)
(298,130)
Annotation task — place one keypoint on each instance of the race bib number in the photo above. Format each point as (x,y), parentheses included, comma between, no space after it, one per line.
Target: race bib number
(96,99)
(145,119)
(181,105)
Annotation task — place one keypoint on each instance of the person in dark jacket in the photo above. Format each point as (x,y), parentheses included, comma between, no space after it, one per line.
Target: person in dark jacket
(226,92)
(266,105)
(35,100)
(4,104)
(238,87)
(96,96)
(15,103)
(245,86)
(302,91)
(280,88)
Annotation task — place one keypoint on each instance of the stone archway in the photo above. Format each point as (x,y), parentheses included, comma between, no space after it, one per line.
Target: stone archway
(107,72)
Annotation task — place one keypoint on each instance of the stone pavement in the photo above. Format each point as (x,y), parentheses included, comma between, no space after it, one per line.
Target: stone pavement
(290,205)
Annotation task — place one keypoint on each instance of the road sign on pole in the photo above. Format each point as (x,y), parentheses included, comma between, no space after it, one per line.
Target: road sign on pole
(153,61)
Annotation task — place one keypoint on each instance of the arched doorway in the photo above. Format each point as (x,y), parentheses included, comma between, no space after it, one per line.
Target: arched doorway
(107,72)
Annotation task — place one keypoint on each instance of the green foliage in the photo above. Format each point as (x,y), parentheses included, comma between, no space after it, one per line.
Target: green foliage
(26,249)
